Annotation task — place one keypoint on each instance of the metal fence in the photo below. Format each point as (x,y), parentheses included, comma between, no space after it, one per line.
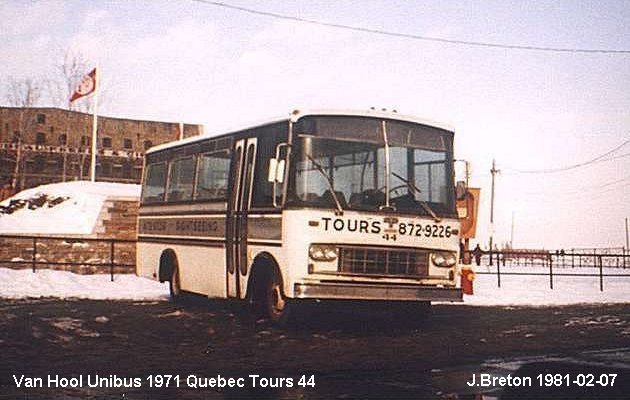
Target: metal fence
(97,254)
(556,263)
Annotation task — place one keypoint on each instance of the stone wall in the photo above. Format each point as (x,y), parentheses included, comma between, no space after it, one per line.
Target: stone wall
(78,255)
(90,254)
(118,220)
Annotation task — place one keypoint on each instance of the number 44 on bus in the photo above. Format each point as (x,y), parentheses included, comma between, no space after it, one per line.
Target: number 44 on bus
(322,205)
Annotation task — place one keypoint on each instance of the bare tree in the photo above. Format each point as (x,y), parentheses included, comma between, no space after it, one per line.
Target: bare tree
(24,94)
(68,73)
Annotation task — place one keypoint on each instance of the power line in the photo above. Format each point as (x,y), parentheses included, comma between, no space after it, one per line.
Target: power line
(574,190)
(574,166)
(410,35)
(512,171)
(599,195)
(624,155)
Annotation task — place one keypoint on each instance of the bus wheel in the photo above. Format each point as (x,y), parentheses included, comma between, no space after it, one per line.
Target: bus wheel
(174,286)
(274,305)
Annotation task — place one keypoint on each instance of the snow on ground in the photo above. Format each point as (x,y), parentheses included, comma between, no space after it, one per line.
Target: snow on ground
(24,283)
(73,208)
(61,208)
(514,290)
(535,291)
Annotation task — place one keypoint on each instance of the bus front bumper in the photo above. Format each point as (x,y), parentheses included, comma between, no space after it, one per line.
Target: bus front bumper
(368,291)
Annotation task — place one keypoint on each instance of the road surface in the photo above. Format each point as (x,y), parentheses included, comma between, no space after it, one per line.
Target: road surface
(327,353)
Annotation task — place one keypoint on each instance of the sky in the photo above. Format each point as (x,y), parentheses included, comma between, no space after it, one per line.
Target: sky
(541,111)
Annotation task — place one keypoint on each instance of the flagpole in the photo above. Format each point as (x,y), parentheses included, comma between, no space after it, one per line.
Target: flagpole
(94,125)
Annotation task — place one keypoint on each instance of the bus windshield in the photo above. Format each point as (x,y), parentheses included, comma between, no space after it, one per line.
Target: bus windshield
(327,172)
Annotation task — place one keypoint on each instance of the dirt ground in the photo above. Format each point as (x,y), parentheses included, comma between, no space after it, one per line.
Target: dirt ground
(351,353)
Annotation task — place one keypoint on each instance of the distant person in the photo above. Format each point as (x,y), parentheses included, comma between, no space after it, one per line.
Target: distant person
(477,253)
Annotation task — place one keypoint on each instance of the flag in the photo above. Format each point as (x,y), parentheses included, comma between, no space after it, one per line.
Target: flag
(87,86)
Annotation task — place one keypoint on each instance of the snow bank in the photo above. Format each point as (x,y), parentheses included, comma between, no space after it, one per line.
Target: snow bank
(62,208)
(521,290)
(514,290)
(50,283)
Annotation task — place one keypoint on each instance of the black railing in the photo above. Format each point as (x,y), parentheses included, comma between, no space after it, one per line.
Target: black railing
(556,263)
(38,250)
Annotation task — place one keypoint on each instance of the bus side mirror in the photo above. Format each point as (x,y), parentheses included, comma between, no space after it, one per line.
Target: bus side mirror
(273,170)
(276,171)
(461,189)
(467,210)
(275,175)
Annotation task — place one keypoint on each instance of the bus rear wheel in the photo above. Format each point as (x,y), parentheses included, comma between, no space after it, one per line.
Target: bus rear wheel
(175,286)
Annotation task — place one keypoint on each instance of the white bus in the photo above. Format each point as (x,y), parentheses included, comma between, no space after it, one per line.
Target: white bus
(319,205)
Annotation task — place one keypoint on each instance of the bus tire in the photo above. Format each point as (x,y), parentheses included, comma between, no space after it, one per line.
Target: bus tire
(268,299)
(175,286)
(276,305)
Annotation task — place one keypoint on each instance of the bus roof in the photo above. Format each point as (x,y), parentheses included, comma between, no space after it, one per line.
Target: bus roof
(297,114)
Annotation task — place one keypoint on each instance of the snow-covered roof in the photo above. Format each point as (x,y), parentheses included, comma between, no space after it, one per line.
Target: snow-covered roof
(70,208)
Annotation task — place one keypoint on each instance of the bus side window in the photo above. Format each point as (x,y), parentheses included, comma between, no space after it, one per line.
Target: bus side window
(153,190)
(180,179)
(212,176)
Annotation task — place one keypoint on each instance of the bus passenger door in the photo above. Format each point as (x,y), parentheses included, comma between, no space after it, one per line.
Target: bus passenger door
(236,232)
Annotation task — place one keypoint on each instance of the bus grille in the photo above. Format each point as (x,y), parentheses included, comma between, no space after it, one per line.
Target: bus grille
(383,262)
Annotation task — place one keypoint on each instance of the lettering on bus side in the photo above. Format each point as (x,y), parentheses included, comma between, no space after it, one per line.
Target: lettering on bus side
(151,226)
(196,226)
(183,226)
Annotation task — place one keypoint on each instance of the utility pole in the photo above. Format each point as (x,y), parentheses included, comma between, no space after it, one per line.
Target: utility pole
(467,166)
(493,171)
(512,232)
(627,245)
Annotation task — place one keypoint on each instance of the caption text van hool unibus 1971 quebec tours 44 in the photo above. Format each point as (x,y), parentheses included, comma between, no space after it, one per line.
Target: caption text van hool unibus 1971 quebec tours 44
(319,205)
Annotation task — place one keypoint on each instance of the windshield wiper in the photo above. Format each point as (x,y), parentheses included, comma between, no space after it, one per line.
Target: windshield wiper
(387,166)
(424,204)
(329,181)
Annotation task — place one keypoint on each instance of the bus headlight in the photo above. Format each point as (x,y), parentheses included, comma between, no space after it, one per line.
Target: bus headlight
(444,259)
(322,252)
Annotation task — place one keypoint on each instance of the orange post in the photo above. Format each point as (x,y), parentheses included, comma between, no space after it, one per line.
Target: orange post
(468,276)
